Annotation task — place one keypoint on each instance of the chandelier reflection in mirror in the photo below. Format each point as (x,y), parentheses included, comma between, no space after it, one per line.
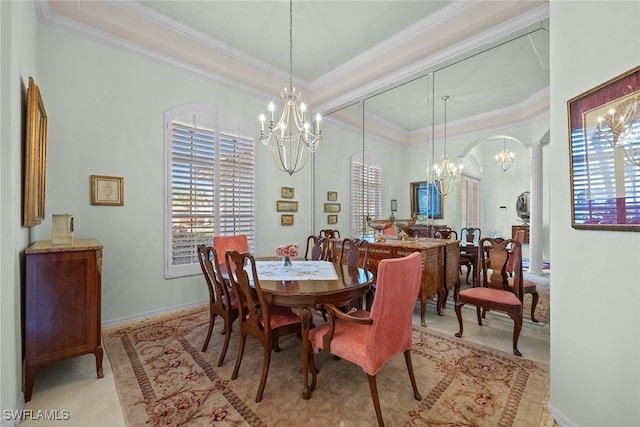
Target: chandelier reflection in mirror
(505,157)
(291,140)
(620,128)
(447,173)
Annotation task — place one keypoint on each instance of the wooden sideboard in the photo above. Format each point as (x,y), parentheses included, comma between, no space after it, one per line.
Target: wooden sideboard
(440,265)
(61,304)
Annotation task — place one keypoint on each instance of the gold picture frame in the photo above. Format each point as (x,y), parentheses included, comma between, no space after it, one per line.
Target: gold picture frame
(332,219)
(286,219)
(287,192)
(332,196)
(35,158)
(286,206)
(332,207)
(107,190)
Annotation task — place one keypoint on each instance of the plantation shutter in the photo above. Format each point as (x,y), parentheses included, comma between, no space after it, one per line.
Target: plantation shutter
(366,196)
(192,191)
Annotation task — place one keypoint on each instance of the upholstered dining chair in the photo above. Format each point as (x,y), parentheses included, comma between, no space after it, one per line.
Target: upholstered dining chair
(317,248)
(491,289)
(469,236)
(222,299)
(238,242)
(350,254)
(370,339)
(265,322)
(528,286)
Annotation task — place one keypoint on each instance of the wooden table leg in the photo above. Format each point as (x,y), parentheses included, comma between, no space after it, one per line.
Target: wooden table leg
(306,319)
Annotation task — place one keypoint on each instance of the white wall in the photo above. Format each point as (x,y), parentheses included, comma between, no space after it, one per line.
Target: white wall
(18,47)
(595,297)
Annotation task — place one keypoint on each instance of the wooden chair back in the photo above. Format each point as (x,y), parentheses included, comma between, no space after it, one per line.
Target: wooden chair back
(317,248)
(446,233)
(351,249)
(470,236)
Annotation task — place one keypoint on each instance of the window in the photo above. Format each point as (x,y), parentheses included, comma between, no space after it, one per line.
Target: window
(209,186)
(425,199)
(366,193)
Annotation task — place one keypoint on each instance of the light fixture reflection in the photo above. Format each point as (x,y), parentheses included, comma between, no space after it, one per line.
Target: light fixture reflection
(447,173)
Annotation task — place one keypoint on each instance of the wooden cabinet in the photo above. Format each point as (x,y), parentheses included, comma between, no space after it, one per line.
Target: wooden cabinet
(440,264)
(515,228)
(61,304)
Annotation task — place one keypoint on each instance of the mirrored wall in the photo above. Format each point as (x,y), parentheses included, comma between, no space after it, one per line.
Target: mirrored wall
(400,130)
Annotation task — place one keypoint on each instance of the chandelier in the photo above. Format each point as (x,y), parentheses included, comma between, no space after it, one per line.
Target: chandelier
(620,128)
(291,139)
(505,157)
(447,173)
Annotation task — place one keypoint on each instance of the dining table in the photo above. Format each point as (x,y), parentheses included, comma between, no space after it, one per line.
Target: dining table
(307,285)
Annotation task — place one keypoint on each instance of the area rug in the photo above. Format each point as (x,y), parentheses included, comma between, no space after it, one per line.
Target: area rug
(163,379)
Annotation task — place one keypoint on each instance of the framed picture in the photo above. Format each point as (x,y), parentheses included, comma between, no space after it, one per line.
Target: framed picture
(35,158)
(332,219)
(332,207)
(332,196)
(286,206)
(604,143)
(107,190)
(286,192)
(286,219)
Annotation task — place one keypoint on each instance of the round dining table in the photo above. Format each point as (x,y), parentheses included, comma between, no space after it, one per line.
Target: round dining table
(305,295)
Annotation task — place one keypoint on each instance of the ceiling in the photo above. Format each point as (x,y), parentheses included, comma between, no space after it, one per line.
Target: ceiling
(342,50)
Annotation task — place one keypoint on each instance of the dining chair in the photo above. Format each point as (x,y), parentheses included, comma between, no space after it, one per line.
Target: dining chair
(222,299)
(491,289)
(239,242)
(446,233)
(469,236)
(528,286)
(330,234)
(317,248)
(351,252)
(370,338)
(265,322)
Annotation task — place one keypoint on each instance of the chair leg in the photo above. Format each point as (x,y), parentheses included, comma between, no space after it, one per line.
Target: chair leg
(480,313)
(227,338)
(407,359)
(517,327)
(212,319)
(234,375)
(374,395)
(534,303)
(265,372)
(458,306)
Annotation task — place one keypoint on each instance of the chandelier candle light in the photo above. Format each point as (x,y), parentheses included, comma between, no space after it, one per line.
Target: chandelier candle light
(446,172)
(291,139)
(505,157)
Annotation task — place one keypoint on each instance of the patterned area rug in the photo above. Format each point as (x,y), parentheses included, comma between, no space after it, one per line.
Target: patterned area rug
(163,379)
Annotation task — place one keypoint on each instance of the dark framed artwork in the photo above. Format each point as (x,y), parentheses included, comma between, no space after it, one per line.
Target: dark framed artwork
(35,158)
(604,144)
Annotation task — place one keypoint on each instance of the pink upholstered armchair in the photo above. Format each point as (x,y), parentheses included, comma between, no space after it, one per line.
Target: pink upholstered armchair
(238,242)
(369,339)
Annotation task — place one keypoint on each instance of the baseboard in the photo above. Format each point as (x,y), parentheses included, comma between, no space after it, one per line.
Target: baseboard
(152,313)
(560,418)
(9,418)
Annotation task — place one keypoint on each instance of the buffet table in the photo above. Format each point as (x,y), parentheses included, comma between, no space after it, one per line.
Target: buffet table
(440,265)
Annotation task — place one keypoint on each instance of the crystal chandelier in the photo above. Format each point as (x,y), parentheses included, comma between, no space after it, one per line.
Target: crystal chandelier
(291,139)
(620,128)
(447,173)
(505,157)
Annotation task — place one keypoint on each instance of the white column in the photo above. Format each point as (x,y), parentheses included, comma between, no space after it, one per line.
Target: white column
(535,210)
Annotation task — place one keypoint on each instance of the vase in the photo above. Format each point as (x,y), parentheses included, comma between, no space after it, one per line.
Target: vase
(287,261)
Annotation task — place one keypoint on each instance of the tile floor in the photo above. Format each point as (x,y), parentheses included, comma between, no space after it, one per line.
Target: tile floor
(71,385)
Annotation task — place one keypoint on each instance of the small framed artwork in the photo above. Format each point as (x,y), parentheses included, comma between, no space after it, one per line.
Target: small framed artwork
(332,207)
(394,205)
(286,192)
(604,143)
(332,219)
(286,206)
(107,190)
(332,196)
(286,219)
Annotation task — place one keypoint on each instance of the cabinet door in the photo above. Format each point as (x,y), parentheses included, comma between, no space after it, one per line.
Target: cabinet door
(61,304)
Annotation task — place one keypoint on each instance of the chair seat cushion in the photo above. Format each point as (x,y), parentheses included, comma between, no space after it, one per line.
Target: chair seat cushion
(528,286)
(496,296)
(281,316)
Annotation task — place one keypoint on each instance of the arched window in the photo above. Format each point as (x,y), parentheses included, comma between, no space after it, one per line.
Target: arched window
(209,184)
